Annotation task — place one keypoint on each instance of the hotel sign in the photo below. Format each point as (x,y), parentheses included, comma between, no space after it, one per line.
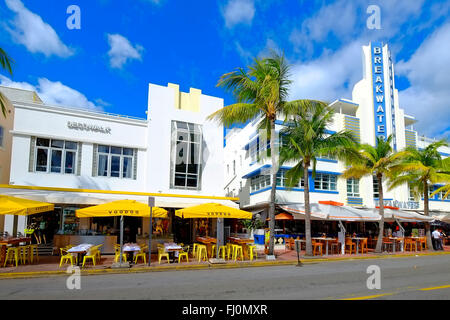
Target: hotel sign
(378,89)
(88,127)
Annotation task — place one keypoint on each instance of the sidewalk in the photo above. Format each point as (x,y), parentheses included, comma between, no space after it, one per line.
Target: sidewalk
(49,265)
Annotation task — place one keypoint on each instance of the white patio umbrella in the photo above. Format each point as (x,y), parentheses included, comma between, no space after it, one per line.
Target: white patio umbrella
(332,212)
(444,217)
(390,215)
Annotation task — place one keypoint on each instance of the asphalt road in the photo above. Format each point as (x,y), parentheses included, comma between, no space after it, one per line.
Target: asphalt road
(401,278)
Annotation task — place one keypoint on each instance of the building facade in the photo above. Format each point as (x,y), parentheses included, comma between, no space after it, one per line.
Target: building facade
(373,111)
(58,154)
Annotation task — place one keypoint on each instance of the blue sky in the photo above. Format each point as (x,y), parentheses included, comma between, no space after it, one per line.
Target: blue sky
(124,45)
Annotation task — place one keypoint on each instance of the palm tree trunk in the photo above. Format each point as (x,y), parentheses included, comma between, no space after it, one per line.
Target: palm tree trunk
(378,248)
(307,212)
(273,190)
(426,211)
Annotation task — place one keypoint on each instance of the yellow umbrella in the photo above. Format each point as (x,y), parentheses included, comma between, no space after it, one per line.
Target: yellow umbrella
(129,208)
(212,210)
(22,207)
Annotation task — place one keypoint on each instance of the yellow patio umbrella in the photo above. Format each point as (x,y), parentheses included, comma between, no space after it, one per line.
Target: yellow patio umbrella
(22,207)
(213,210)
(129,208)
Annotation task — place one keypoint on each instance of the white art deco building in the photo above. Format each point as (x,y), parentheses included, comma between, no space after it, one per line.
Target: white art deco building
(374,110)
(73,158)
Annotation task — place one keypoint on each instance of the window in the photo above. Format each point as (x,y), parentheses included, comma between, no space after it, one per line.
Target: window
(325,182)
(186,154)
(234,167)
(376,188)
(1,136)
(282,180)
(353,187)
(259,182)
(253,151)
(55,156)
(411,194)
(441,195)
(115,162)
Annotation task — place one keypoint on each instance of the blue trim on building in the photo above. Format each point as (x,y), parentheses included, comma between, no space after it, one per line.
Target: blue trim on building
(327,160)
(255,172)
(356,104)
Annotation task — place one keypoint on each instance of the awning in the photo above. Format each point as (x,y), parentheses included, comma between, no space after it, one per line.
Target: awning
(213,210)
(130,208)
(444,217)
(330,212)
(391,215)
(22,207)
(86,198)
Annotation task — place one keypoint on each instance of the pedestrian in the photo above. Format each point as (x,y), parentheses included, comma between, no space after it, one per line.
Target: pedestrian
(437,237)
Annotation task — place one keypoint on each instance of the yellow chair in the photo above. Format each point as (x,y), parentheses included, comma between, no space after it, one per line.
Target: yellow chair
(163,254)
(252,251)
(99,253)
(202,252)
(24,254)
(91,254)
(141,254)
(237,252)
(194,250)
(183,253)
(117,255)
(229,251)
(222,251)
(67,256)
(12,254)
(34,252)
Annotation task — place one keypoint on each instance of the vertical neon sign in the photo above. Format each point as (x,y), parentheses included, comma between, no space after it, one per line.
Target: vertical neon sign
(378,90)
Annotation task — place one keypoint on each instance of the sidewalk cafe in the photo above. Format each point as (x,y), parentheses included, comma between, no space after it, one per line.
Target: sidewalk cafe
(340,229)
(18,248)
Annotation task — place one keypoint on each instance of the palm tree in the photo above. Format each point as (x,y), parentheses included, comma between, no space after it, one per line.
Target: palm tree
(5,62)
(377,162)
(261,91)
(305,139)
(421,169)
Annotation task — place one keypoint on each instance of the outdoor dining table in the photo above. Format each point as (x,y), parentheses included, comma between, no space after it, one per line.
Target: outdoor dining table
(130,249)
(244,242)
(172,249)
(394,239)
(208,241)
(357,243)
(4,242)
(326,240)
(80,250)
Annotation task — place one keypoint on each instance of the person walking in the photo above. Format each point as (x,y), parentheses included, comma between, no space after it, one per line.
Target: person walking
(437,237)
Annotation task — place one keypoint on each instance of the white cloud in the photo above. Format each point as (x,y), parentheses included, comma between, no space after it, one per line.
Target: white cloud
(238,11)
(346,20)
(329,77)
(54,93)
(29,29)
(428,97)
(121,51)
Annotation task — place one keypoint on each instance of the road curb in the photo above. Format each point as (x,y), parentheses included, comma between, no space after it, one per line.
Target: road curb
(304,260)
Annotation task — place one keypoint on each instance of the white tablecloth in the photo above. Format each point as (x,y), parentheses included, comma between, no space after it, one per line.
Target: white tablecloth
(131,247)
(81,247)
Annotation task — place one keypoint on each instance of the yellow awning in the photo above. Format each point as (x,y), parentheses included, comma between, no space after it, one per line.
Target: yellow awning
(22,207)
(130,208)
(213,210)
